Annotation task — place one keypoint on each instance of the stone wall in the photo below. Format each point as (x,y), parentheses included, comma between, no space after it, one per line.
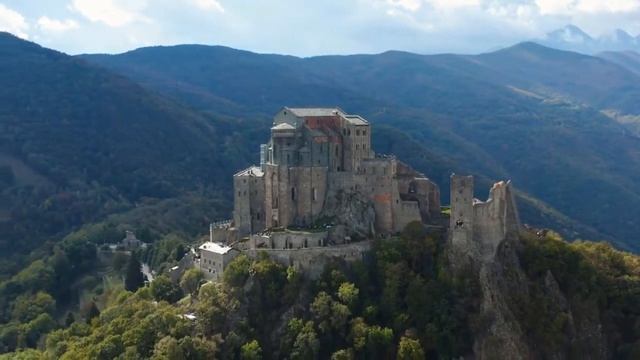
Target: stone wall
(288,240)
(462,213)
(313,260)
(249,201)
(224,235)
(496,219)
(294,196)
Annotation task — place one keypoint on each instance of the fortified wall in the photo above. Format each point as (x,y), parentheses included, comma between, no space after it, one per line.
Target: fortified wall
(312,260)
(477,228)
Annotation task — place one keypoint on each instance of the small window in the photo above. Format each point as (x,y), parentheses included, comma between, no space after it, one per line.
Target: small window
(293,193)
(315,194)
(364,132)
(357,132)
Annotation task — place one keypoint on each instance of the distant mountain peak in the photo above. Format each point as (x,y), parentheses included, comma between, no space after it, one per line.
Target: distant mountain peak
(573,38)
(569,34)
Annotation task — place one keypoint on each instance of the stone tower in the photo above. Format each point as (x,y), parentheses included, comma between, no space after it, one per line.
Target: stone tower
(462,217)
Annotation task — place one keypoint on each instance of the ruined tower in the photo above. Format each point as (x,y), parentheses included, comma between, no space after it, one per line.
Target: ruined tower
(477,228)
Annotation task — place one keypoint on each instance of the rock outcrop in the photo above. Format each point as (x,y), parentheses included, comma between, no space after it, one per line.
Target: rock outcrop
(484,237)
(351,213)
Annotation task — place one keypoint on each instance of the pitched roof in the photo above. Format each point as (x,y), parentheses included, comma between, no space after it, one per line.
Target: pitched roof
(250,171)
(304,112)
(283,126)
(356,120)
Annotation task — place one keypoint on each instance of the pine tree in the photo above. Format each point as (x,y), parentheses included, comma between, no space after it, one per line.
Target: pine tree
(70,319)
(93,311)
(134,279)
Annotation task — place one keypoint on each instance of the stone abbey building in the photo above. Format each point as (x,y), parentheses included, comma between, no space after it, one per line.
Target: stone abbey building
(318,171)
(320,188)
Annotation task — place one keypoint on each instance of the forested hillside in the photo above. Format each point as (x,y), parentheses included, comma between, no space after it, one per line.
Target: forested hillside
(528,113)
(403,302)
(78,143)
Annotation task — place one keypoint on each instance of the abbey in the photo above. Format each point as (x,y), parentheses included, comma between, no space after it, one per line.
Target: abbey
(320,189)
(318,168)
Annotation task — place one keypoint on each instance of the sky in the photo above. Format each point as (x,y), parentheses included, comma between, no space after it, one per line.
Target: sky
(307,28)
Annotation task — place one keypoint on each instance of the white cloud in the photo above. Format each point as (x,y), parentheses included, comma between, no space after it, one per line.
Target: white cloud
(208,5)
(13,22)
(110,12)
(612,6)
(47,24)
(411,5)
(555,7)
(573,7)
(453,4)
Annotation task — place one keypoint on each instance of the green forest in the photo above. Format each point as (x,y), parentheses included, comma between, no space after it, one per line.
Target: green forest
(402,301)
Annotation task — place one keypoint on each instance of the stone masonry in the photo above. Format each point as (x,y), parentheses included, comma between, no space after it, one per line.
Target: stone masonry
(314,157)
(477,228)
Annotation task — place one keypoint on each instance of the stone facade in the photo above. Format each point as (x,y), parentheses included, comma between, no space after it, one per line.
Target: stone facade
(316,155)
(214,258)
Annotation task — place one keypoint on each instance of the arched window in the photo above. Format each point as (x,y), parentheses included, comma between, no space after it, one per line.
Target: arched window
(293,193)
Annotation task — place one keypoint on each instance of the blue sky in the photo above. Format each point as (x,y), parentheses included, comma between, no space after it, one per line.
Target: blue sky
(304,28)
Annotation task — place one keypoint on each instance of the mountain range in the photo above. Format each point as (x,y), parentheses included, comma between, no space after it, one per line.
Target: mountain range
(573,38)
(154,131)
(550,120)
